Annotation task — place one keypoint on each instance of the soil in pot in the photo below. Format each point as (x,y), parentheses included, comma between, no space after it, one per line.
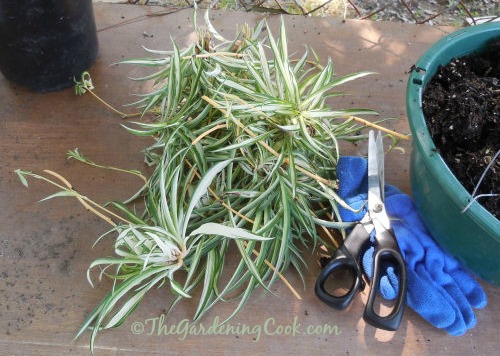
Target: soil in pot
(461,106)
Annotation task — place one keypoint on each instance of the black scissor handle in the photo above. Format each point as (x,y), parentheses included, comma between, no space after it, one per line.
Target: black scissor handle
(386,251)
(344,259)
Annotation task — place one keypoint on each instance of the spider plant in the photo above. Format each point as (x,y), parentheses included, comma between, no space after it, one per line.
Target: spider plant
(244,152)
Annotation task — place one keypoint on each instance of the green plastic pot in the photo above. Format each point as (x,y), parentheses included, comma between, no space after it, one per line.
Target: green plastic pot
(473,236)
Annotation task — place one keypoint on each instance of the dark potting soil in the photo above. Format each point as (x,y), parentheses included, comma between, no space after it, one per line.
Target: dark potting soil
(461,105)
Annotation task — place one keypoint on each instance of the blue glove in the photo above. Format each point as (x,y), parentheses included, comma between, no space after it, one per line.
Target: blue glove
(438,288)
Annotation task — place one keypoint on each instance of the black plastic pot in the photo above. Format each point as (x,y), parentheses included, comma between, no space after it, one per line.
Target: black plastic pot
(45,43)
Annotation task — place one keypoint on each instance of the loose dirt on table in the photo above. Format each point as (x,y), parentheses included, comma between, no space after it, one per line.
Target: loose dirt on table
(461,105)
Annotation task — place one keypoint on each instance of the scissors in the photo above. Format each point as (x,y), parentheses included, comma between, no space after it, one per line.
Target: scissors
(386,251)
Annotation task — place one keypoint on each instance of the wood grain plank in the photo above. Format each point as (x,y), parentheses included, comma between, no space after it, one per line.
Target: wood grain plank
(46,248)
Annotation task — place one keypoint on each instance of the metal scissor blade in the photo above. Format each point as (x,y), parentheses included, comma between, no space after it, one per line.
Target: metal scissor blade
(376,184)
(381,162)
(375,170)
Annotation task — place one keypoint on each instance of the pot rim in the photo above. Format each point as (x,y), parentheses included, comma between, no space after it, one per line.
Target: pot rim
(457,44)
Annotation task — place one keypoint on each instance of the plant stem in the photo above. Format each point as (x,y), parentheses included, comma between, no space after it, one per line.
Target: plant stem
(280,276)
(378,127)
(75,154)
(256,253)
(85,201)
(267,147)
(109,106)
(208,132)
(214,54)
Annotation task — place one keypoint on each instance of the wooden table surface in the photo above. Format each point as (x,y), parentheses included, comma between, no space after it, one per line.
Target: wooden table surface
(45,248)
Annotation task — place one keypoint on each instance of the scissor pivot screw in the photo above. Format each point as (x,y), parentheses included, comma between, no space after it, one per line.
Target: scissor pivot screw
(378,208)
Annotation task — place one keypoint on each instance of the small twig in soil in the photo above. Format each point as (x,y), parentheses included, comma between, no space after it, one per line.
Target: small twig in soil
(474,197)
(281,7)
(485,171)
(318,7)
(430,18)
(409,10)
(355,8)
(250,7)
(373,13)
(467,11)
(301,8)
